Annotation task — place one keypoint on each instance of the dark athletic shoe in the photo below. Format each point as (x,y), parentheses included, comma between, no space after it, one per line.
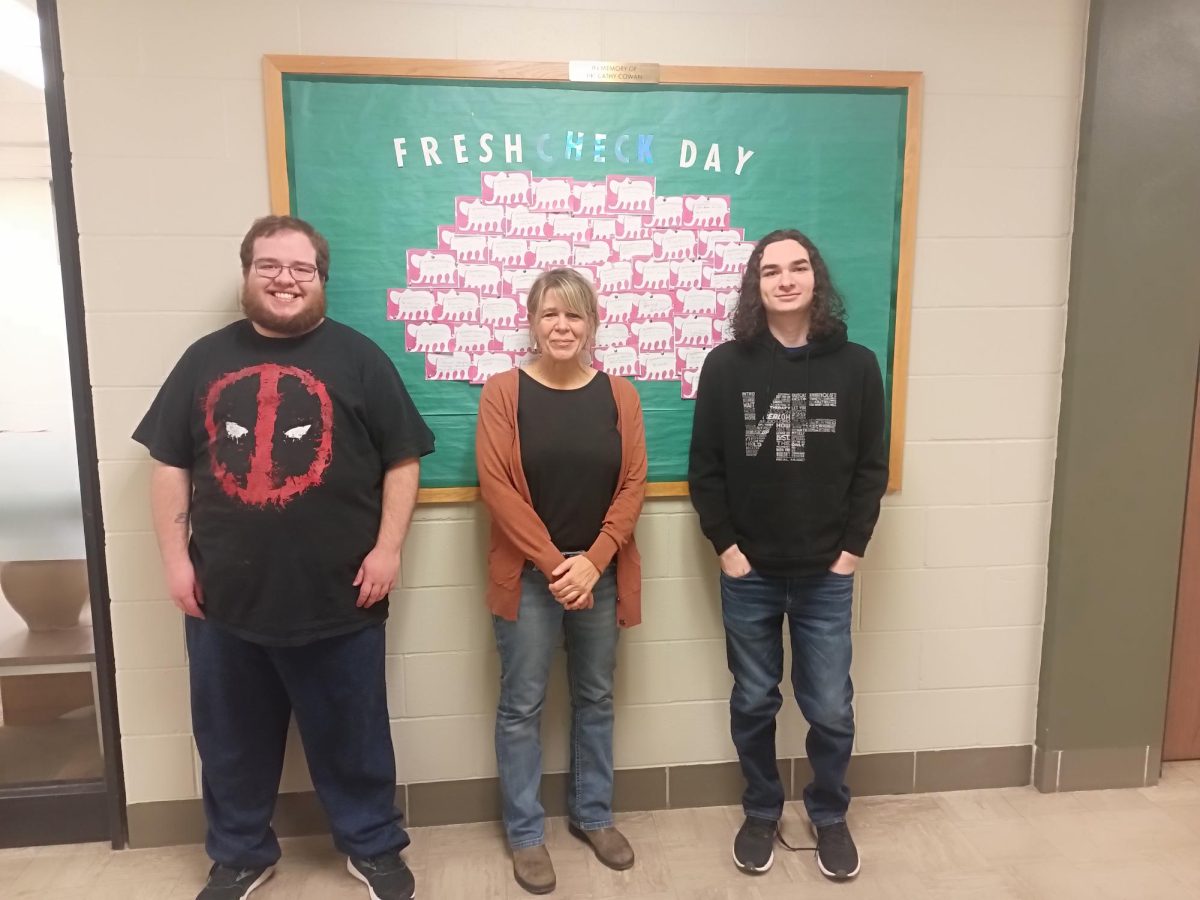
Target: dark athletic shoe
(754,846)
(837,857)
(227,883)
(386,876)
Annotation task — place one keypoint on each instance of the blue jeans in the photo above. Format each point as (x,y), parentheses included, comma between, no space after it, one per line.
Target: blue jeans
(818,614)
(243,695)
(526,649)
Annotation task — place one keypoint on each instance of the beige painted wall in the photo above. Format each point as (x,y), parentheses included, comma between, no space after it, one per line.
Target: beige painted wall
(164,106)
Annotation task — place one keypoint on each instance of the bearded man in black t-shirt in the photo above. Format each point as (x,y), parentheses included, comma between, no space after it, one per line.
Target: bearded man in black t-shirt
(286,456)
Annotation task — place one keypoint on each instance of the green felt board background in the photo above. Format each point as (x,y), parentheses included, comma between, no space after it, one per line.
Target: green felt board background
(828,161)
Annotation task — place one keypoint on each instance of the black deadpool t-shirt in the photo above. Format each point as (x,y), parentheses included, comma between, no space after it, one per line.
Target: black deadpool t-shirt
(287,440)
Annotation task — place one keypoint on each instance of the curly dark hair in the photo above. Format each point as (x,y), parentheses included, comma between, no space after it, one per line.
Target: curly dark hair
(749,317)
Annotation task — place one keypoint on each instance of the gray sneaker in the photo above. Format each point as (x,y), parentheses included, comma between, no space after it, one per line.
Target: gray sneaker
(228,883)
(386,876)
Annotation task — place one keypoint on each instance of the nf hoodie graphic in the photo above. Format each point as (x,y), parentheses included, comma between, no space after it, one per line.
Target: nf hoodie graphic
(787,456)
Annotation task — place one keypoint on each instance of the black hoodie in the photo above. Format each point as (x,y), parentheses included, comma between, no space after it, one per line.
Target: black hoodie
(787,457)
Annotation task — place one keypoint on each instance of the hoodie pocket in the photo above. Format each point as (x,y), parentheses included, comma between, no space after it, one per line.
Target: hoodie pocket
(789,521)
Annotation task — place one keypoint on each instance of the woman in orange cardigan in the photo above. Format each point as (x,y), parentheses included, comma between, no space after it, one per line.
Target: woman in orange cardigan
(561,451)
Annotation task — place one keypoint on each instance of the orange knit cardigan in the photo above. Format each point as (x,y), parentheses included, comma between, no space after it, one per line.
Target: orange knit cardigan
(518,534)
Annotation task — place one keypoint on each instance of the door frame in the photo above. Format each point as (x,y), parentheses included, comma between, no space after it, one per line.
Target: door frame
(63,811)
(1181,735)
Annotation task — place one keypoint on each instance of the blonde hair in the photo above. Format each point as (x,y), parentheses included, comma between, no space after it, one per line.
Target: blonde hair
(574,291)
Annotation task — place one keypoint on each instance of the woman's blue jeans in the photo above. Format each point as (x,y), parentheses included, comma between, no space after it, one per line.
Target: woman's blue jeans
(526,649)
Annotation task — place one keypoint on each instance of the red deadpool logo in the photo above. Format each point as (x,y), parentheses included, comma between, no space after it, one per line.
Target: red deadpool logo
(270,433)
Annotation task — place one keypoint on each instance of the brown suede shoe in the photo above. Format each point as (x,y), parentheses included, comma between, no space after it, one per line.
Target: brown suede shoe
(533,870)
(608,844)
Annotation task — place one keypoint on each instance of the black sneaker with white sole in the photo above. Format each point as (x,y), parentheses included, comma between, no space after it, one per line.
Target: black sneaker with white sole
(754,846)
(386,876)
(837,857)
(230,883)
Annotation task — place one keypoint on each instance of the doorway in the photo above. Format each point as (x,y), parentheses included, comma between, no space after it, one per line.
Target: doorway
(60,778)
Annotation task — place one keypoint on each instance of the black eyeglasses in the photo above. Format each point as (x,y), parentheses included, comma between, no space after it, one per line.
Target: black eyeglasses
(269,268)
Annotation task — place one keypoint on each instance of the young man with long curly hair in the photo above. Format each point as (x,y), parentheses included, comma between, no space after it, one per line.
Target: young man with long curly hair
(787,469)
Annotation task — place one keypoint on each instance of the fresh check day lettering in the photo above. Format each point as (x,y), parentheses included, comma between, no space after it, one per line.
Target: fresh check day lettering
(571,146)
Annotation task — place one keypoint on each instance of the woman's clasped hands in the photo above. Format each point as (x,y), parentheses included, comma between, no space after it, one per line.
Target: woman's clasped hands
(573,581)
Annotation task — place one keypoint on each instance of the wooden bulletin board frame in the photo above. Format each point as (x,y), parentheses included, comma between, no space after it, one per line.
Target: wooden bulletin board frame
(275,67)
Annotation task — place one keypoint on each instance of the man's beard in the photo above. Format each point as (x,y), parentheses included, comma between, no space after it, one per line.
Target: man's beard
(306,319)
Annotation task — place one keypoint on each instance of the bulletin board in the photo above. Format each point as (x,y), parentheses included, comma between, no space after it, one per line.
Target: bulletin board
(444,186)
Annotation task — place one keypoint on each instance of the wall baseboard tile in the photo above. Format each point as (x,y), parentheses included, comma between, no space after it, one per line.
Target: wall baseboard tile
(171,822)
(1096,768)
(982,767)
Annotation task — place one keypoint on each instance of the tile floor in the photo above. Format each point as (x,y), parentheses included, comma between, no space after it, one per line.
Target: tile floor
(1138,844)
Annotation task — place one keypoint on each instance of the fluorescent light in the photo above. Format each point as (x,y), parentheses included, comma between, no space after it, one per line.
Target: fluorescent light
(20,43)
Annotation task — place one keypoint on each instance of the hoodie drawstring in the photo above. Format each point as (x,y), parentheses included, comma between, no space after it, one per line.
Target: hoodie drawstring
(774,349)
